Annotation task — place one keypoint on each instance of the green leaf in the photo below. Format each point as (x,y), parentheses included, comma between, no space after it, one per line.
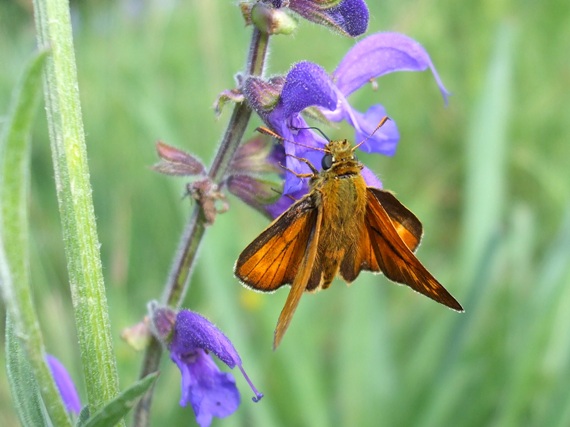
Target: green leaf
(14,257)
(83,416)
(14,177)
(23,385)
(116,409)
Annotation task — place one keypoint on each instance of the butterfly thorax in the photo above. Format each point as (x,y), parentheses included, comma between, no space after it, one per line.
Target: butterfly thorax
(341,192)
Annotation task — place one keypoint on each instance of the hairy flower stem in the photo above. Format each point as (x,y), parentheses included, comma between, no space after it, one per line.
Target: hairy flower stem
(178,279)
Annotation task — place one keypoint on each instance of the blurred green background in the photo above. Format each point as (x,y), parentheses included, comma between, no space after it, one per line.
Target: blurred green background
(488,176)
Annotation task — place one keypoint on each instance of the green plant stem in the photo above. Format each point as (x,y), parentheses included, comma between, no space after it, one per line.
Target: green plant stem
(178,280)
(75,203)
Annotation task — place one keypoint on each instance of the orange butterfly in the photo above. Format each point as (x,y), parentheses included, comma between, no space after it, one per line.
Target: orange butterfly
(340,227)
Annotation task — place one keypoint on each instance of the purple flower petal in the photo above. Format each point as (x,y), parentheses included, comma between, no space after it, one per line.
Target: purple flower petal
(193,336)
(192,331)
(300,139)
(298,142)
(347,16)
(380,54)
(306,84)
(371,178)
(294,184)
(285,202)
(350,15)
(384,140)
(211,393)
(64,384)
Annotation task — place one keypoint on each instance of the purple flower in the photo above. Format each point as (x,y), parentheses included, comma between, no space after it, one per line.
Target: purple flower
(372,57)
(211,393)
(349,17)
(308,85)
(305,85)
(64,384)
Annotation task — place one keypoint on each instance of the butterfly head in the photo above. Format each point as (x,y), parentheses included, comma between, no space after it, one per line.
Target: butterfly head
(338,152)
(342,152)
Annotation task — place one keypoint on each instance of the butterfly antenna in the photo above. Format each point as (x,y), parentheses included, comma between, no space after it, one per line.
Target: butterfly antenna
(314,128)
(382,121)
(267,131)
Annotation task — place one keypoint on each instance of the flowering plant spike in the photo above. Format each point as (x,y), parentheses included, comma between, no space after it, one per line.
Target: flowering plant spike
(325,225)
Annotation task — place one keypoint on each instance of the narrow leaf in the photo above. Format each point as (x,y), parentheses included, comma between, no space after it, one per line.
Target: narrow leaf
(111,413)
(23,385)
(14,253)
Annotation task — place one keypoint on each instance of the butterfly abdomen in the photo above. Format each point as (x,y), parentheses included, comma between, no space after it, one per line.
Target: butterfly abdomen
(344,206)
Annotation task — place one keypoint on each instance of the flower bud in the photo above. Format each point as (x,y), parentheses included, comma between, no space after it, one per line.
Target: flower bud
(347,17)
(263,95)
(228,95)
(177,162)
(137,336)
(255,192)
(255,173)
(272,21)
(256,156)
(162,321)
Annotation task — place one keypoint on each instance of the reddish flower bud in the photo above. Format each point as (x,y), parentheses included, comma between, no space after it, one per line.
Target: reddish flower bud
(177,162)
(137,336)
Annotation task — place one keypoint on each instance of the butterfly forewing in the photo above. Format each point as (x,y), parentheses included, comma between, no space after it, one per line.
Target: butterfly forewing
(397,261)
(274,258)
(301,279)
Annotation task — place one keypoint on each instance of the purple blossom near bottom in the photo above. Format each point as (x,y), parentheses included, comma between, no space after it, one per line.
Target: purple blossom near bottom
(64,384)
(211,393)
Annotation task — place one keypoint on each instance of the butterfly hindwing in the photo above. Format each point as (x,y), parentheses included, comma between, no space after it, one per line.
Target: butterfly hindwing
(407,225)
(361,256)
(396,259)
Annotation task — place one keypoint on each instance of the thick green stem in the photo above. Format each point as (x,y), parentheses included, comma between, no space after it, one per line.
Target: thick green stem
(75,202)
(178,280)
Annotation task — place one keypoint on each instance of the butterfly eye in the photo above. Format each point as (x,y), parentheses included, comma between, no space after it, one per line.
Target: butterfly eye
(327,161)
(354,157)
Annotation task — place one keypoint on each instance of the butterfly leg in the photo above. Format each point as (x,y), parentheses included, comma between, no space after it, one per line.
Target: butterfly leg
(298,175)
(280,193)
(306,161)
